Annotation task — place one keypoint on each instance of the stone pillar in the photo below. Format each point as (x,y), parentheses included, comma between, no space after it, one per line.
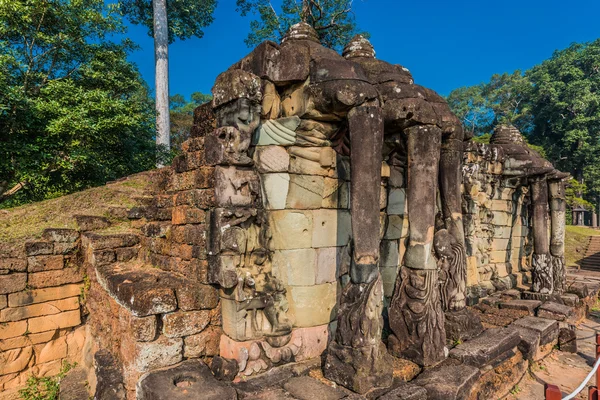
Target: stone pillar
(542,264)
(416,317)
(558,206)
(357,358)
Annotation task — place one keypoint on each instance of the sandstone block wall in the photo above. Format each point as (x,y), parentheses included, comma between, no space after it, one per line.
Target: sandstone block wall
(497,216)
(41,287)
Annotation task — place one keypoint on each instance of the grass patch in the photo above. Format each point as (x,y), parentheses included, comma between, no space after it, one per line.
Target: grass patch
(576,241)
(29,221)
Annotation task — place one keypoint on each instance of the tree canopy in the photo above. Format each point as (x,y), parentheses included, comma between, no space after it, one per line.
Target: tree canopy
(185,18)
(556,104)
(182,117)
(73,111)
(333,20)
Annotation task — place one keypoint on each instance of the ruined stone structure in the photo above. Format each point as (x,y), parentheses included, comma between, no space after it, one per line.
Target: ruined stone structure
(319,193)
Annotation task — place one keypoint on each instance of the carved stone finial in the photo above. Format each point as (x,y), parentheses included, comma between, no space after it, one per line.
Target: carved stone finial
(301,31)
(506,134)
(359,46)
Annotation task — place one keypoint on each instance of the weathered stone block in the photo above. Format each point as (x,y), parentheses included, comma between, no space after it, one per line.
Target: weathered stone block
(567,340)
(179,324)
(200,198)
(191,297)
(405,391)
(44,263)
(305,192)
(486,347)
(271,159)
(102,242)
(187,215)
(60,235)
(546,329)
(3,301)
(306,388)
(189,161)
(53,350)
(203,344)
(201,178)
(389,256)
(13,264)
(555,311)
(12,329)
(331,228)
(388,277)
(43,295)
(125,254)
(313,305)
(396,227)
(36,310)
(275,189)
(236,187)
(144,329)
(502,219)
(12,283)
(39,248)
(15,360)
(61,277)
(331,263)
(396,201)
(90,223)
(336,193)
(159,353)
(65,319)
(291,229)
(158,385)
(296,267)
(448,382)
(524,305)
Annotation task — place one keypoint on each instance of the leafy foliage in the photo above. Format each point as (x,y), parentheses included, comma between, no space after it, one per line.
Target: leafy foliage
(185,18)
(73,111)
(47,388)
(556,104)
(182,117)
(332,19)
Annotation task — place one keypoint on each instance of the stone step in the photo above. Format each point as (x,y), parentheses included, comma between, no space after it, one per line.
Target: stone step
(91,222)
(538,336)
(447,381)
(555,311)
(524,305)
(490,345)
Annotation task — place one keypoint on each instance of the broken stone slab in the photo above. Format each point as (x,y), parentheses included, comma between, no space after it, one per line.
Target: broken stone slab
(448,382)
(530,342)
(74,385)
(567,339)
(190,379)
(224,369)
(109,385)
(546,329)
(307,388)
(524,305)
(492,301)
(486,347)
(405,391)
(60,235)
(91,222)
(570,299)
(558,312)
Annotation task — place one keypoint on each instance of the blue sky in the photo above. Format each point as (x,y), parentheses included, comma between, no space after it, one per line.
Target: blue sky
(445,44)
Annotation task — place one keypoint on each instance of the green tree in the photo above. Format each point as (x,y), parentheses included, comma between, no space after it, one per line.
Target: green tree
(182,117)
(73,111)
(333,20)
(566,111)
(472,107)
(180,19)
(507,97)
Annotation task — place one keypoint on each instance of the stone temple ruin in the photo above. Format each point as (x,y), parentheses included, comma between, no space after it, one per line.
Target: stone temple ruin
(326,213)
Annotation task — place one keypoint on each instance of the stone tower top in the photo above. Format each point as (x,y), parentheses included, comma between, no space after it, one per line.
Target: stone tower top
(359,46)
(506,134)
(301,31)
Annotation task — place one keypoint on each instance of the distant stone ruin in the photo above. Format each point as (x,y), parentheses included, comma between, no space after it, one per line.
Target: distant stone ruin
(326,208)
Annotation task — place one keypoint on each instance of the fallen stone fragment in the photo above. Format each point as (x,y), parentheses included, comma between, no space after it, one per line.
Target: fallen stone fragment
(558,312)
(307,388)
(189,380)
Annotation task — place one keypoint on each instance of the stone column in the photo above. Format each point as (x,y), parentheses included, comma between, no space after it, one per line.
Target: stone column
(542,263)
(558,206)
(357,358)
(416,317)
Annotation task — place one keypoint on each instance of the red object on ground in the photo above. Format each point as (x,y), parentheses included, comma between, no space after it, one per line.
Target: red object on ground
(552,392)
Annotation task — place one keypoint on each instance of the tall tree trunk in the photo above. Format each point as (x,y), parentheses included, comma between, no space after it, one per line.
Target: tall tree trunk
(161,57)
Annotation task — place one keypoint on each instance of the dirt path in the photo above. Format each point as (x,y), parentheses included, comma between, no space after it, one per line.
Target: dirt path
(566,370)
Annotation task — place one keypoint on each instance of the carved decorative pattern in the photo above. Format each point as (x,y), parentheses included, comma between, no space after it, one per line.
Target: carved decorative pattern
(416,317)
(542,276)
